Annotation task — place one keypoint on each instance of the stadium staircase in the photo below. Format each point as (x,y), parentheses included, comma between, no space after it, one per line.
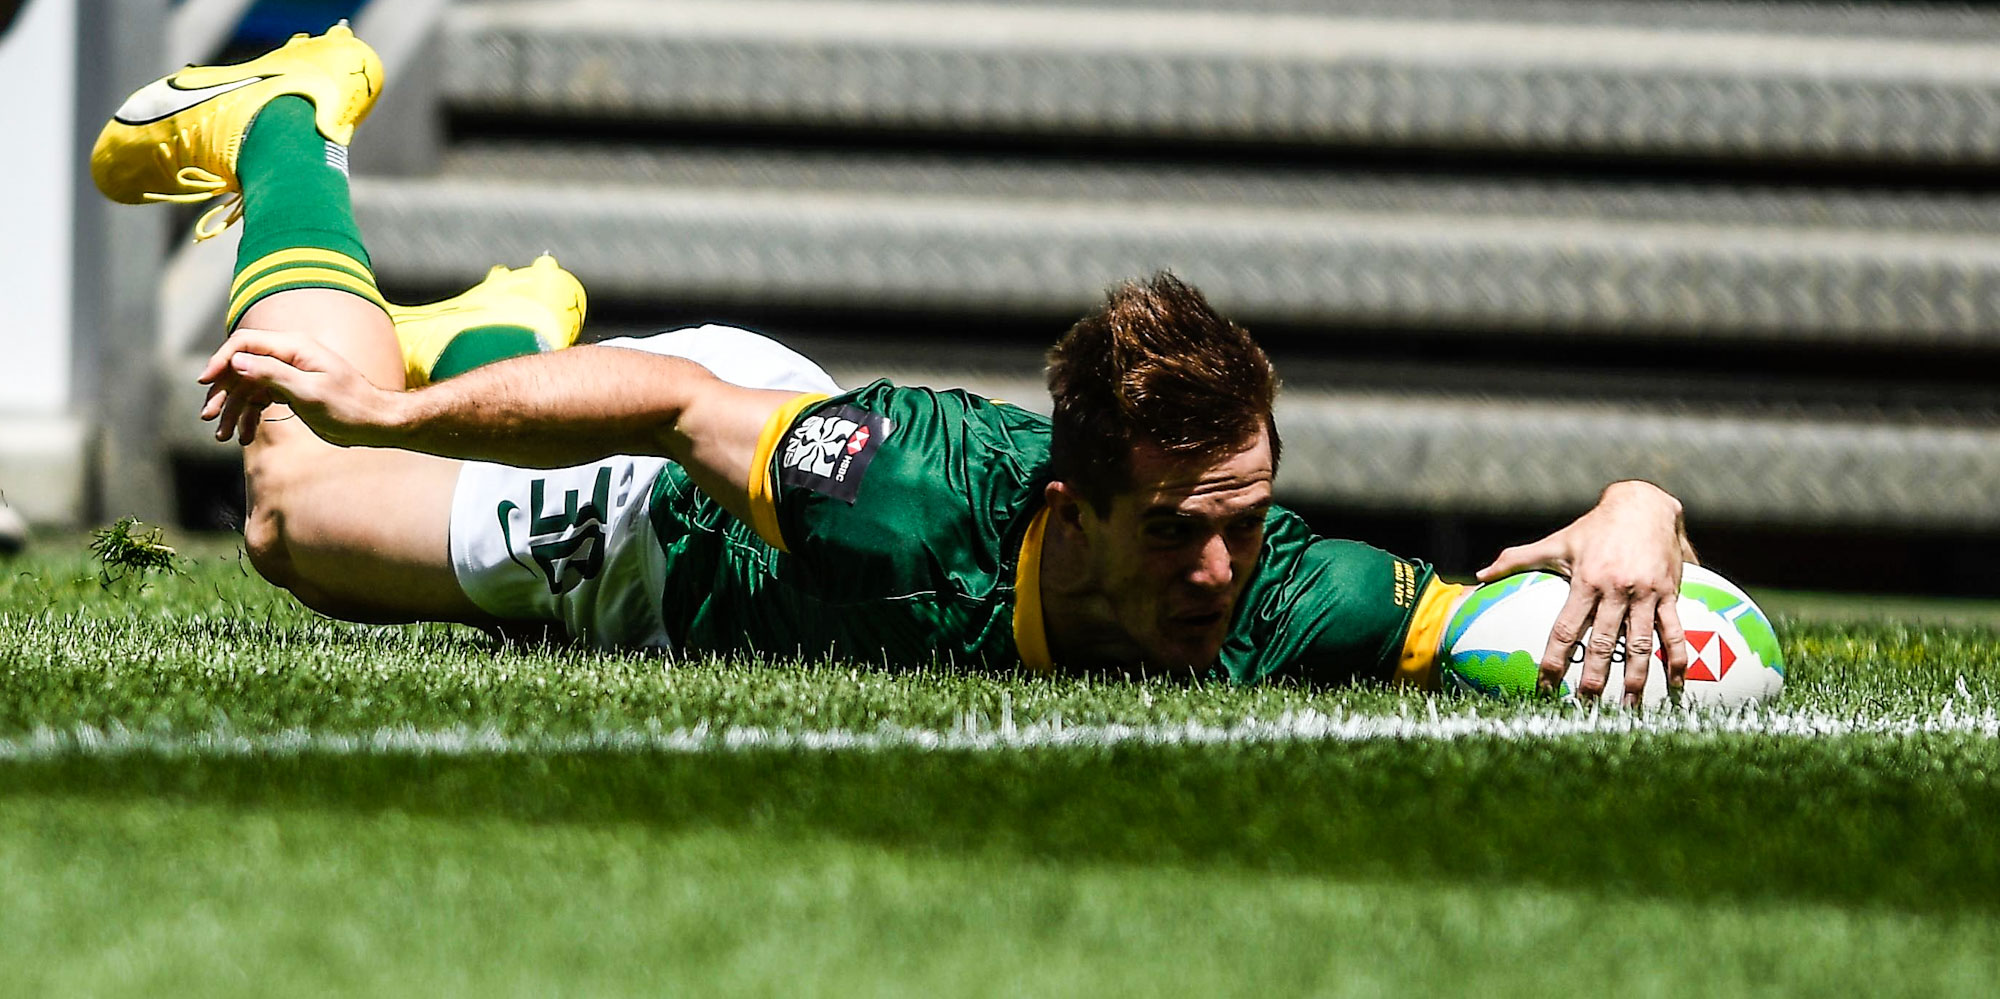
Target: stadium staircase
(1503,250)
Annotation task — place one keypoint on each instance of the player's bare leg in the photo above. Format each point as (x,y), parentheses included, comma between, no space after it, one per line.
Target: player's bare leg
(356,533)
(303,528)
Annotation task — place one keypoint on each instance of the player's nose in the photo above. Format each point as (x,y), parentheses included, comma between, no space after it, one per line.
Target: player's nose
(1213,568)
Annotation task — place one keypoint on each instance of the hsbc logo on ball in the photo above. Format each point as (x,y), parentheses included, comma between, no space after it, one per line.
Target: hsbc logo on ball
(828,452)
(1709,655)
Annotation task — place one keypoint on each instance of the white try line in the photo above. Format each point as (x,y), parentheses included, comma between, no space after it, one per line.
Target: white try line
(1300,726)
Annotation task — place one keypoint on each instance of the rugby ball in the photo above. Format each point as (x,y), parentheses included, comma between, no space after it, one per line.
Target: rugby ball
(1494,641)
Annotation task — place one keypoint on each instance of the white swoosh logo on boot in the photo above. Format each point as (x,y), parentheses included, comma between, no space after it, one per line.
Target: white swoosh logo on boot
(161,99)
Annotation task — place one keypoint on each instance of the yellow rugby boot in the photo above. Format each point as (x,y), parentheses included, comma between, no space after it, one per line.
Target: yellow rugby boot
(176,139)
(514,311)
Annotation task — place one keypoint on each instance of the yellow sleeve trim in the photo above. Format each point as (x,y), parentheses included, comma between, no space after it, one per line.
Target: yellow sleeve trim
(1418,664)
(763,478)
(1031,637)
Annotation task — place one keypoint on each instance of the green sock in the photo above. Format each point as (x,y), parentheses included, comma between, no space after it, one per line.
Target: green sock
(483,345)
(298,220)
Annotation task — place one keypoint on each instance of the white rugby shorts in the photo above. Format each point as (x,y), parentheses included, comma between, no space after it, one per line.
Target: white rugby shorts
(575,544)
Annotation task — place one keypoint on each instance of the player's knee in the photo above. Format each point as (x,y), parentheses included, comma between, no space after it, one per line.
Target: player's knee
(270,554)
(270,535)
(264,542)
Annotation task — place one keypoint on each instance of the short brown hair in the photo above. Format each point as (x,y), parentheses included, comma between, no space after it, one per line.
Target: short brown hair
(1156,365)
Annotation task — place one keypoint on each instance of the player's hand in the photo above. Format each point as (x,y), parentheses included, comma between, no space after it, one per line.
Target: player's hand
(255,368)
(1623,560)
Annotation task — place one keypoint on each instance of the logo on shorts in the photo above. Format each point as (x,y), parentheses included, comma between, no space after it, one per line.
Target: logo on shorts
(566,542)
(828,452)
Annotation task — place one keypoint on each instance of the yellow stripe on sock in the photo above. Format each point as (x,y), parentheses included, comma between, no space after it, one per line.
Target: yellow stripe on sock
(328,276)
(301,277)
(1417,666)
(299,255)
(284,271)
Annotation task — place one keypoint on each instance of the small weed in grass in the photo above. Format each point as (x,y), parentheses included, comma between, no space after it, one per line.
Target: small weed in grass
(124,549)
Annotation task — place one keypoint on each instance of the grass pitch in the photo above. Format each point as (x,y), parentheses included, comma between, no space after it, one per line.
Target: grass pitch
(204,787)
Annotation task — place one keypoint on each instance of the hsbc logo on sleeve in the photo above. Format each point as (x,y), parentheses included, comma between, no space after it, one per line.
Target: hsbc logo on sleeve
(817,442)
(829,451)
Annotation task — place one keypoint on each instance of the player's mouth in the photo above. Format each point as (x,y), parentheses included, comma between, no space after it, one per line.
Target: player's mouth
(1196,621)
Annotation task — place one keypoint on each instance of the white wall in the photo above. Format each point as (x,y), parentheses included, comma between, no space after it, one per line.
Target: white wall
(42,443)
(35,226)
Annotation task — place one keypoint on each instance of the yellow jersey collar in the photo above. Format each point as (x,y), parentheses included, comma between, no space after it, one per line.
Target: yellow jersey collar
(1031,637)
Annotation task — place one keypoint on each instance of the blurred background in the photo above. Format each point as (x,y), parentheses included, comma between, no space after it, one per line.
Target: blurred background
(1503,251)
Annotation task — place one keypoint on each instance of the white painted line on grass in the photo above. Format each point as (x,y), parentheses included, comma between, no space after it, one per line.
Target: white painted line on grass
(1300,726)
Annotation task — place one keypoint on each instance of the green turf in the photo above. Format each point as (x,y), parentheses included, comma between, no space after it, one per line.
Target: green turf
(228,901)
(1649,863)
(1881,608)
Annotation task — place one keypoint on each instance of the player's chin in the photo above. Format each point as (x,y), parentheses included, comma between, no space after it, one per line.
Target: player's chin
(1191,642)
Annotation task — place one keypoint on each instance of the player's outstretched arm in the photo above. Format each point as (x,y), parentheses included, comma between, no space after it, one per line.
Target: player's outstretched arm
(1623,560)
(543,411)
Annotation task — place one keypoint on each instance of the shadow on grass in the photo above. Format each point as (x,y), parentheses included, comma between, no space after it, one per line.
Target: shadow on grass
(1880,821)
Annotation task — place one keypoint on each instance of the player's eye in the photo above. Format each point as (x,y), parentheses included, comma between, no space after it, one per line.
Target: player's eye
(1169,532)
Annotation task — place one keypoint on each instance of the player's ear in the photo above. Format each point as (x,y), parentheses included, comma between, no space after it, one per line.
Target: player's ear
(1066,504)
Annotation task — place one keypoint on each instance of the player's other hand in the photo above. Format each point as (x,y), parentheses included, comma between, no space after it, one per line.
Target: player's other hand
(255,368)
(1623,560)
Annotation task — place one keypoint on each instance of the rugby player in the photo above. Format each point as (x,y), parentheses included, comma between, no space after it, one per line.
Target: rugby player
(709,490)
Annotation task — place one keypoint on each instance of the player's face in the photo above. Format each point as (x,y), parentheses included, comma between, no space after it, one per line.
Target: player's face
(1178,548)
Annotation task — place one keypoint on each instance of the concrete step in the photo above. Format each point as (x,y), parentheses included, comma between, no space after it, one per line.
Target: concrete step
(1804,268)
(1837,18)
(1732,88)
(632,163)
(1509,451)
(1461,454)
(1858,18)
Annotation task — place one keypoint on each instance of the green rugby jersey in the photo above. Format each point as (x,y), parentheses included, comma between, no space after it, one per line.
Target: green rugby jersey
(891,523)
(902,526)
